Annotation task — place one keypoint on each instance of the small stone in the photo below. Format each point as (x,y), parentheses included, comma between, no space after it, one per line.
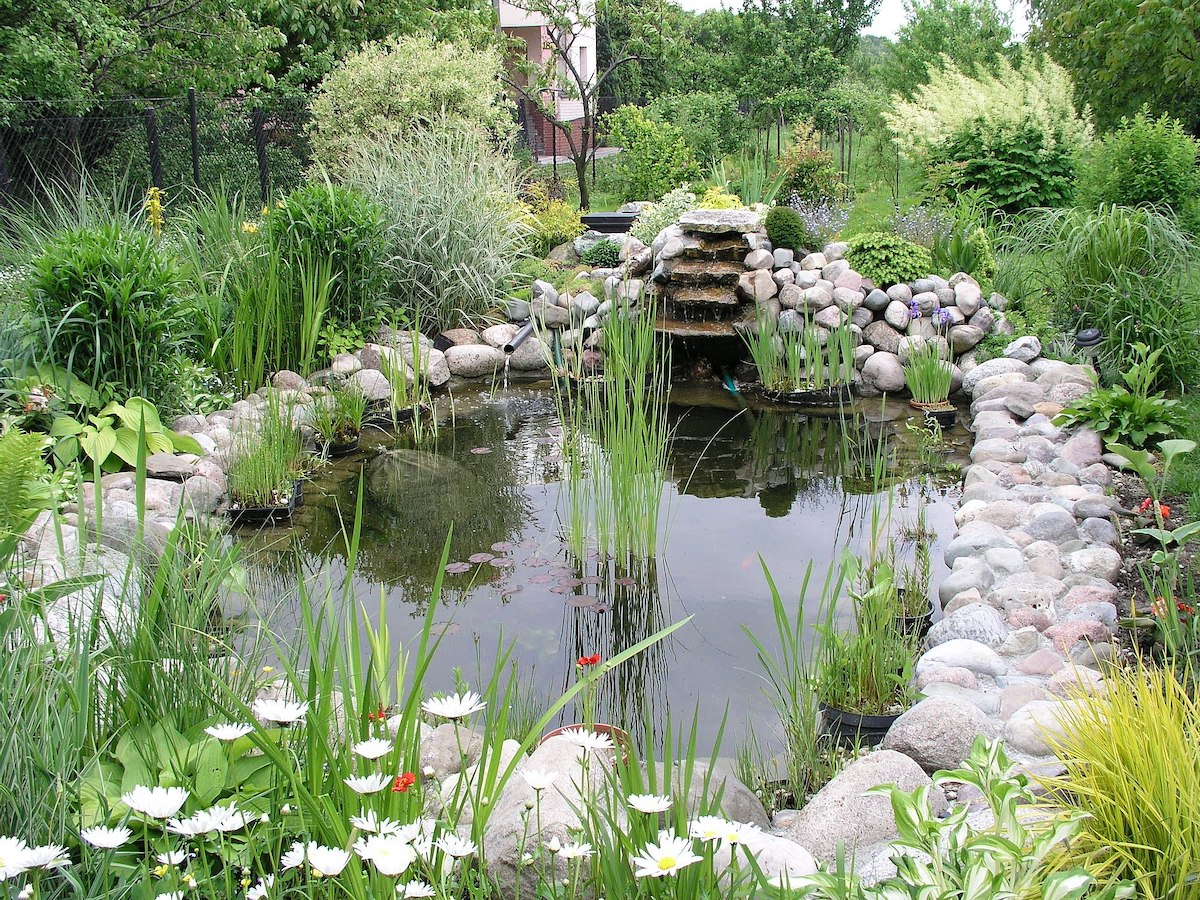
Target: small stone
(1026,349)
(1075,682)
(1041,662)
(938,733)
(976,622)
(966,654)
(1016,696)
(1066,634)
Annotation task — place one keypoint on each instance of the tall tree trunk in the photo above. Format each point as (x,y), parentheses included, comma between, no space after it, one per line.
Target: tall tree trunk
(581,165)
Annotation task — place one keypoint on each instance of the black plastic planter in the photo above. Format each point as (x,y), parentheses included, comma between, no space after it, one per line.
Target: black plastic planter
(849,728)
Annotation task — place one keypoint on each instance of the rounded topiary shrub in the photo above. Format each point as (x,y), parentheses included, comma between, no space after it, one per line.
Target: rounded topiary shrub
(602,255)
(886,258)
(786,229)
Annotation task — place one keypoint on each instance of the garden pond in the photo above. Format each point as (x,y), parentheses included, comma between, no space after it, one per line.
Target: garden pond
(791,488)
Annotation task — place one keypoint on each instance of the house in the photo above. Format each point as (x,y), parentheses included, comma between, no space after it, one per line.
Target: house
(532,29)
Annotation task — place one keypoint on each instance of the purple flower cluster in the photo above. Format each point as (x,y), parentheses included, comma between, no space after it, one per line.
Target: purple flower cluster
(822,219)
(922,225)
(914,309)
(942,317)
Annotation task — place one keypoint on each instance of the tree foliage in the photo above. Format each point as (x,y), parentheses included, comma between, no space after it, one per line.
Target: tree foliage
(973,33)
(1126,53)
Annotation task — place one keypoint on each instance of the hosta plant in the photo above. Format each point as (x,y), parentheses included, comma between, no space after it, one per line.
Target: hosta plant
(110,438)
(1127,412)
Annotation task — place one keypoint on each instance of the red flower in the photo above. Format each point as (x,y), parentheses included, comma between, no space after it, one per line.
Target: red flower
(588,660)
(1163,509)
(378,716)
(404,782)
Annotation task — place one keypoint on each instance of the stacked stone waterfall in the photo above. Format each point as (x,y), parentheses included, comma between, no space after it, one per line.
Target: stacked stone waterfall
(716,273)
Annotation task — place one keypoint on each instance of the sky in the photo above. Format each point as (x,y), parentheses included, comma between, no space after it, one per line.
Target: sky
(887,21)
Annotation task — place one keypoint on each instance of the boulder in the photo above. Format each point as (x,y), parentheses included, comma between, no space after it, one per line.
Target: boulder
(938,733)
(474,360)
(975,622)
(373,384)
(884,372)
(843,814)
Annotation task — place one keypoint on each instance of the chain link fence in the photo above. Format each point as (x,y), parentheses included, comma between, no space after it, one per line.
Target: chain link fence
(254,147)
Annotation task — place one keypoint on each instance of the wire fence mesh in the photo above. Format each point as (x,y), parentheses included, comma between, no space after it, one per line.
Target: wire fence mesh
(247,145)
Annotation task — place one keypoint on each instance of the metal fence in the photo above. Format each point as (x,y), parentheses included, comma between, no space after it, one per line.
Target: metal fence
(241,144)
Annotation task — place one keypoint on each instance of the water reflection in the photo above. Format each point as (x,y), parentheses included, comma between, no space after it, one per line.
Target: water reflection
(794,489)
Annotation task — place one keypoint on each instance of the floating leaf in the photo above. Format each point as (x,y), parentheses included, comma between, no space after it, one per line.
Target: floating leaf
(444,628)
(481,557)
(581,601)
(514,589)
(541,579)
(503,546)
(500,562)
(457,568)
(562,589)
(625,582)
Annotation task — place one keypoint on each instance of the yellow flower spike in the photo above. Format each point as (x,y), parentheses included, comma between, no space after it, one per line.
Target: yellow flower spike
(249,227)
(280,204)
(160,871)
(265,210)
(154,210)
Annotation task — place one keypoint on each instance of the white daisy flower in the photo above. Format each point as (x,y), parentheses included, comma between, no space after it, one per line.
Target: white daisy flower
(372,824)
(588,740)
(423,845)
(261,889)
(372,749)
(709,828)
(326,862)
(12,857)
(453,845)
(649,803)
(228,732)
(390,854)
(25,893)
(294,857)
(538,779)
(216,818)
(51,856)
(576,851)
(106,838)
(368,784)
(286,712)
(172,857)
(554,844)
(170,895)
(456,706)
(413,889)
(666,857)
(155,802)
(741,833)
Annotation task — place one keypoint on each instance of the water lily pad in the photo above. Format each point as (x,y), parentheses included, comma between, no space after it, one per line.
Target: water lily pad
(481,557)
(581,601)
(542,578)
(444,628)
(500,562)
(545,441)
(562,589)
(457,568)
(503,546)
(625,582)
(562,570)
(554,431)
(591,579)
(513,589)
(529,544)
(481,451)
(537,562)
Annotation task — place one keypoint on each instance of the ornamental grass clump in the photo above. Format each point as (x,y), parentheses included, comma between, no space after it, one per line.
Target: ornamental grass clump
(263,467)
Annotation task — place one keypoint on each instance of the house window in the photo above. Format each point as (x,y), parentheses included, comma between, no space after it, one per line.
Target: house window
(584,71)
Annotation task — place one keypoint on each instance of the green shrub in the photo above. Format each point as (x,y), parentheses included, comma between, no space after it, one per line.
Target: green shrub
(719,198)
(785,228)
(552,221)
(665,212)
(655,158)
(810,172)
(1014,168)
(339,224)
(387,90)
(455,227)
(1146,161)
(888,259)
(114,307)
(710,122)
(602,255)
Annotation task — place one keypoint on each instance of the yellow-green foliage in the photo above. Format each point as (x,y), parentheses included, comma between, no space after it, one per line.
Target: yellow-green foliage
(719,198)
(387,89)
(1133,764)
(551,221)
(1039,91)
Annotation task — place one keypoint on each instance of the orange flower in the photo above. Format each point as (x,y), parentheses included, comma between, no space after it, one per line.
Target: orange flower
(588,660)
(404,782)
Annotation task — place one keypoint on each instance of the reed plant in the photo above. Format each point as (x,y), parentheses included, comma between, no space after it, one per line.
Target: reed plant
(263,465)
(927,376)
(810,358)
(337,418)
(617,442)
(1132,758)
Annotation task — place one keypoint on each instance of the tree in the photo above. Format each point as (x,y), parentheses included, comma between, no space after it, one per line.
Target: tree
(66,54)
(973,33)
(1126,53)
(561,74)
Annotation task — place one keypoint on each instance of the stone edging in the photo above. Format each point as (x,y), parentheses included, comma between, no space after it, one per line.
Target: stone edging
(1030,602)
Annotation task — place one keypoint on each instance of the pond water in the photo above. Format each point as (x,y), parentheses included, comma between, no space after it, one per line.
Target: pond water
(740,485)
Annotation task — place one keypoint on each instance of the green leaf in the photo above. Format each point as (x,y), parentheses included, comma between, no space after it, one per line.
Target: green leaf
(184,443)
(98,444)
(125,445)
(64,426)
(211,771)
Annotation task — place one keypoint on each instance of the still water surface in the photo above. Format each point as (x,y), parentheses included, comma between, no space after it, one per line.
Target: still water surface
(740,486)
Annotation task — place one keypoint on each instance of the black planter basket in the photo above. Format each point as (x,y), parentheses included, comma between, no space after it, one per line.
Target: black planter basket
(837,395)
(943,413)
(334,450)
(850,728)
(267,515)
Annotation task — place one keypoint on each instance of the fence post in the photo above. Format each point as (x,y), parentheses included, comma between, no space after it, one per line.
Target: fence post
(5,180)
(260,146)
(156,175)
(195,137)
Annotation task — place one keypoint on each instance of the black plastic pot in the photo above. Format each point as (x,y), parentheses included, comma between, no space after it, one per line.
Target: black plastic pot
(831,396)
(849,728)
(267,515)
(335,449)
(943,413)
(916,625)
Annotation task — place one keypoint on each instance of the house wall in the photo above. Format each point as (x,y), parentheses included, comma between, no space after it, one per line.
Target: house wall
(532,30)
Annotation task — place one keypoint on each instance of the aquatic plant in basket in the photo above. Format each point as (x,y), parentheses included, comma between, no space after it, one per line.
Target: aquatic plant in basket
(929,380)
(808,365)
(338,419)
(262,470)
(864,676)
